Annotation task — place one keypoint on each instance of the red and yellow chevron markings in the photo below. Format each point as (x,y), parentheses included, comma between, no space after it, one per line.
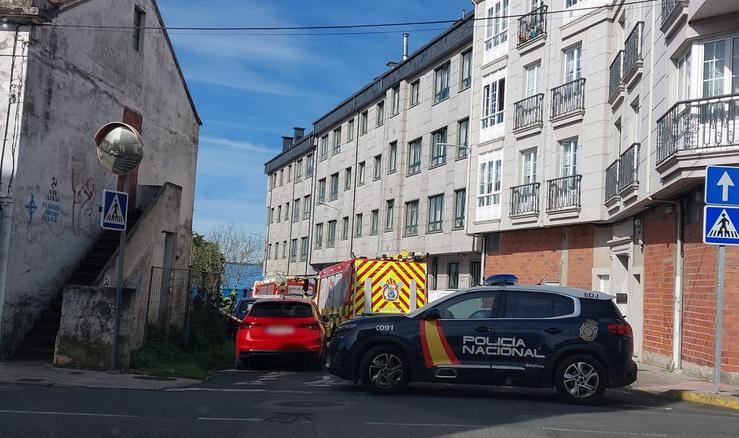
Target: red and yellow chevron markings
(436,349)
(387,272)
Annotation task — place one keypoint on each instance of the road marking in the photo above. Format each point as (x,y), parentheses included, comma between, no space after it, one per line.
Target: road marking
(270,391)
(610,432)
(76,414)
(230,419)
(379,423)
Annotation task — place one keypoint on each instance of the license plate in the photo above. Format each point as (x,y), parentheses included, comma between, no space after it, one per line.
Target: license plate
(280,330)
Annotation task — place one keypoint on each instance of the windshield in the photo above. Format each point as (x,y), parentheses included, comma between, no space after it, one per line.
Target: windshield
(432,304)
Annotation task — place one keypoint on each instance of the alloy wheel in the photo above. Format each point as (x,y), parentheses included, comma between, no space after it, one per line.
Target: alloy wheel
(386,370)
(581,379)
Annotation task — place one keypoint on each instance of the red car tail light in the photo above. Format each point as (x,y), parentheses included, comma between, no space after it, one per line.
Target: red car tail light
(620,330)
(311,325)
(247,325)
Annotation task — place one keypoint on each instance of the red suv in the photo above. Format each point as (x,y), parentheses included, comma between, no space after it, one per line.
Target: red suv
(279,327)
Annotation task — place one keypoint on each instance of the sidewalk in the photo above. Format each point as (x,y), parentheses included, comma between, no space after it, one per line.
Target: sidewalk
(685,387)
(42,373)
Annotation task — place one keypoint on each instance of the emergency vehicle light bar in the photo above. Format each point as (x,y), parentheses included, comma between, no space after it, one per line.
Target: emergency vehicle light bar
(502,280)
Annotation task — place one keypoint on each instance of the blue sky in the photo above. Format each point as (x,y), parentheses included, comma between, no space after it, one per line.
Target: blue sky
(251,90)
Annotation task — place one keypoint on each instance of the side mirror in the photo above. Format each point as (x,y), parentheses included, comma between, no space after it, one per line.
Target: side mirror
(431,315)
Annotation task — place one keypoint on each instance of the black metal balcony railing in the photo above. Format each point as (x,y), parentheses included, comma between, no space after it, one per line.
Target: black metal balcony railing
(633,48)
(628,167)
(529,111)
(564,192)
(612,180)
(615,73)
(697,124)
(568,98)
(524,199)
(667,7)
(532,25)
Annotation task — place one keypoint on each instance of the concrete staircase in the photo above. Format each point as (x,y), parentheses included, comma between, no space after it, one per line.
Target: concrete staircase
(39,341)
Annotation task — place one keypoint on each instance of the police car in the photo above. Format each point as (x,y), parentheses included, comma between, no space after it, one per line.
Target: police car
(537,336)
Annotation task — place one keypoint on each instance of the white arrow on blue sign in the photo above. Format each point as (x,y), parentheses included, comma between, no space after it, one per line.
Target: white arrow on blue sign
(722,185)
(720,225)
(115,210)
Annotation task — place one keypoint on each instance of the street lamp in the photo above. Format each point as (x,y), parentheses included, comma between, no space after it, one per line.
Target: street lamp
(326,205)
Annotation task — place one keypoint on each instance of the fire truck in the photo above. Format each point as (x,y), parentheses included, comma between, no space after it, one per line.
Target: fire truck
(364,286)
(280,284)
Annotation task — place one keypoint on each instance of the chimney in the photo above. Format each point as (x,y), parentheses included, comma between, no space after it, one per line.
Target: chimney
(287,142)
(298,133)
(405,45)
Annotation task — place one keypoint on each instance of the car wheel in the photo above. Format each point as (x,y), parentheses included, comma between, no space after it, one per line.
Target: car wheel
(384,370)
(580,380)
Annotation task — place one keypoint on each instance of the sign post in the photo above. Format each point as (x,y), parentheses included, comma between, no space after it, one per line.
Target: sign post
(720,221)
(119,150)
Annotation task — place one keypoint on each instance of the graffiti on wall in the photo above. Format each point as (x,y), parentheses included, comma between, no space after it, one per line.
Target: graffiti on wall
(83,200)
(52,208)
(31,208)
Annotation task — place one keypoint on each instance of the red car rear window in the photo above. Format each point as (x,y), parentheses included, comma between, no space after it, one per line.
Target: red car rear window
(281,310)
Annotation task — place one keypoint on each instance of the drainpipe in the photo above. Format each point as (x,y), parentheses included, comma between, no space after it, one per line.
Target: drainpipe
(354,187)
(10,103)
(677,317)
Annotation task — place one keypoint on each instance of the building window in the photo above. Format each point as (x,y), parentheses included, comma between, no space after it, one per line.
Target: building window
(438,147)
(337,140)
(466,76)
(287,211)
(299,171)
(380,113)
(282,177)
(350,131)
(441,83)
(358,225)
(374,222)
(683,77)
(139,25)
(345,228)
(392,159)
(528,167)
(279,213)
(348,178)
(322,190)
(489,179)
(306,207)
(378,167)
(293,250)
(496,29)
(319,236)
(463,138)
(303,249)
(272,181)
(474,274)
(573,66)
(289,172)
(360,173)
(334,187)
(493,102)
(309,166)
(284,250)
(396,100)
(532,75)
(389,214)
(569,158)
(714,64)
(331,241)
(363,122)
(269,251)
(453,275)
(296,210)
(324,147)
(460,200)
(272,215)
(436,210)
(411,218)
(414,157)
(415,92)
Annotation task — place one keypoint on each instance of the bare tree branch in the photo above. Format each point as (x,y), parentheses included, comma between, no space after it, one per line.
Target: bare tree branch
(241,249)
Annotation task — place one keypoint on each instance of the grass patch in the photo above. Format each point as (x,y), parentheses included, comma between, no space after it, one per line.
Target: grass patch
(172,358)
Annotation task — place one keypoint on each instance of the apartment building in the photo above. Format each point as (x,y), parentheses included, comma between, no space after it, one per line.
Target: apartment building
(590,129)
(391,169)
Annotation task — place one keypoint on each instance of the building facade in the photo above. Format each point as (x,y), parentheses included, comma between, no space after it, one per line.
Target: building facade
(390,172)
(591,129)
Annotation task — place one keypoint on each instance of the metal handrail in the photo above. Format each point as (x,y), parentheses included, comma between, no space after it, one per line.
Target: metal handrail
(524,199)
(568,97)
(563,192)
(633,48)
(532,25)
(529,111)
(615,73)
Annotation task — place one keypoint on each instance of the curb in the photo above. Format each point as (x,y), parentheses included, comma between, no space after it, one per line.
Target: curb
(704,398)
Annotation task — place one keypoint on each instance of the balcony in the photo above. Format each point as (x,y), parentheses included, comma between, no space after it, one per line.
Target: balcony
(532,27)
(672,10)
(628,169)
(615,87)
(612,181)
(529,113)
(525,200)
(633,54)
(698,126)
(564,194)
(568,99)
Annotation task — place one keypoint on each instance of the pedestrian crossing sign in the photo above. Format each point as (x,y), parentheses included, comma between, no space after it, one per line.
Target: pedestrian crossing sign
(115,209)
(720,225)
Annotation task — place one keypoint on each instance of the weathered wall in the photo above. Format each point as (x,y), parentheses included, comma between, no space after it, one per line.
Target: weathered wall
(77,80)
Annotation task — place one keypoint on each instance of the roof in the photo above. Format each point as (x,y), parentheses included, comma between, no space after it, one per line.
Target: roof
(569,291)
(303,147)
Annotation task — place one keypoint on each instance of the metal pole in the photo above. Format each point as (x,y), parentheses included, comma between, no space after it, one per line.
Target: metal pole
(719,318)
(119,287)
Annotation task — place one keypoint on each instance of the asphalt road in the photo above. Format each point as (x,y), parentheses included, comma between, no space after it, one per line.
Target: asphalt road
(290,403)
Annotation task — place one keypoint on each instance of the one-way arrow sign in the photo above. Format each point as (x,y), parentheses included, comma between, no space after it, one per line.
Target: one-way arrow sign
(720,185)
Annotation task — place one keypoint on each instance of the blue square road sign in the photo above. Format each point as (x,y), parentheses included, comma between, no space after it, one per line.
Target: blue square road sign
(115,210)
(720,225)
(722,185)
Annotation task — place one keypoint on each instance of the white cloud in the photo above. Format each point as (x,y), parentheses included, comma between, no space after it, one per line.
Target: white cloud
(245,145)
